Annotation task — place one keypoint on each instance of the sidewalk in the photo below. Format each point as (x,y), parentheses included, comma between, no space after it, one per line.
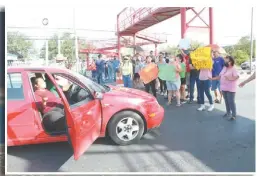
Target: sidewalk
(244,74)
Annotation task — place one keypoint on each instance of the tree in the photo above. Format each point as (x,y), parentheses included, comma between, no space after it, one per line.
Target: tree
(17,44)
(174,50)
(67,47)
(240,56)
(52,48)
(241,50)
(229,49)
(196,44)
(244,44)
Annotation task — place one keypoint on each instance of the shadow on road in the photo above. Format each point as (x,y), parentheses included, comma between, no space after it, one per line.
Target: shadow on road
(197,141)
(43,157)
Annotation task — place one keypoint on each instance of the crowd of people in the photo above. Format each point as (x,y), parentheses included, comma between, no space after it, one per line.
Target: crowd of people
(221,79)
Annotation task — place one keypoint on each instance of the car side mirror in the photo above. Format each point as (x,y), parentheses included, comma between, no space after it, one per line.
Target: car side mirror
(99,95)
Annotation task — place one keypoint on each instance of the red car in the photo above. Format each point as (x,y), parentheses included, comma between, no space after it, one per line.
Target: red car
(122,114)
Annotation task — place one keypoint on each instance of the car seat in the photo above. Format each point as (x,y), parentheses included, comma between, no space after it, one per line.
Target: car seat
(50,86)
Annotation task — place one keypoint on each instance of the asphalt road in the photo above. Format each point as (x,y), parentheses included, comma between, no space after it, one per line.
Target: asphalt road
(187,141)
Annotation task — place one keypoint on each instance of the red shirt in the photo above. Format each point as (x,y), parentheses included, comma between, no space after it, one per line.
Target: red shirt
(187,63)
(51,103)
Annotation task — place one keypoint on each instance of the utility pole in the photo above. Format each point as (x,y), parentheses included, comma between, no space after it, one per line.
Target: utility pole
(76,40)
(59,44)
(251,54)
(45,23)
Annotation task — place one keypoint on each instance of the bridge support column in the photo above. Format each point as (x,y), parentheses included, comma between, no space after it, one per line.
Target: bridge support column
(134,44)
(208,25)
(211,25)
(183,22)
(118,37)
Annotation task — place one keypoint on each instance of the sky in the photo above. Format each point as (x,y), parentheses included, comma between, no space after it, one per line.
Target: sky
(229,24)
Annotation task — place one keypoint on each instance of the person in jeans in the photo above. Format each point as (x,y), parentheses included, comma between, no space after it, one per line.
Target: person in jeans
(218,64)
(151,84)
(100,63)
(174,86)
(116,66)
(127,72)
(205,85)
(110,70)
(163,86)
(136,78)
(194,78)
(228,83)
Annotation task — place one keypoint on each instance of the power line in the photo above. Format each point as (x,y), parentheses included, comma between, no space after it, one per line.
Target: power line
(78,29)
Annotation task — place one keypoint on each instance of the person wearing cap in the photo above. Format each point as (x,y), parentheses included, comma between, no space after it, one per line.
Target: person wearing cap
(127,72)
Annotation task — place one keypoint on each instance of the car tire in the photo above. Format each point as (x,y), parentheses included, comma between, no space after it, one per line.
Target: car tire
(123,119)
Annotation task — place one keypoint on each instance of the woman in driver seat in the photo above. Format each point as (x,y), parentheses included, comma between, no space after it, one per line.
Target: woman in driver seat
(51,107)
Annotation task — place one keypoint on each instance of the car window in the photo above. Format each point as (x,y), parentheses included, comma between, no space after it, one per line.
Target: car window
(14,86)
(93,86)
(74,93)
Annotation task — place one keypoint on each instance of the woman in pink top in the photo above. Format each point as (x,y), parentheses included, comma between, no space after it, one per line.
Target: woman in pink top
(228,83)
(205,85)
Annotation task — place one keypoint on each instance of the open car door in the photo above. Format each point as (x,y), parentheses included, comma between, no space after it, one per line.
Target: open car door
(83,121)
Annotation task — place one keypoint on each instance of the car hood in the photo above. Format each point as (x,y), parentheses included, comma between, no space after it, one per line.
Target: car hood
(131,93)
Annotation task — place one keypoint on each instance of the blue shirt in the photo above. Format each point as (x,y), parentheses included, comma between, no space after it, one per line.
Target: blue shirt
(116,63)
(100,65)
(218,64)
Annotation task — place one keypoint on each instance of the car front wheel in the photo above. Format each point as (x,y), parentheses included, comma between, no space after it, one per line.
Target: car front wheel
(126,128)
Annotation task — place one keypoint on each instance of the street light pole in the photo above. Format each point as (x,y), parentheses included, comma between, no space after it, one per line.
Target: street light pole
(76,41)
(251,54)
(59,44)
(45,23)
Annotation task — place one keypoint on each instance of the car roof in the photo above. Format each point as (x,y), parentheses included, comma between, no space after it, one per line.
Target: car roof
(39,68)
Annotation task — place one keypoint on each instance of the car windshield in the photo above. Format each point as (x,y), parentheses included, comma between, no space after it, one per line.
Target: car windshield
(93,86)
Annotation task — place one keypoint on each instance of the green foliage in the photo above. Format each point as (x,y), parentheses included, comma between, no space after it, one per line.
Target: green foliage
(240,56)
(244,44)
(17,44)
(229,50)
(174,50)
(242,50)
(52,48)
(67,47)
(195,44)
